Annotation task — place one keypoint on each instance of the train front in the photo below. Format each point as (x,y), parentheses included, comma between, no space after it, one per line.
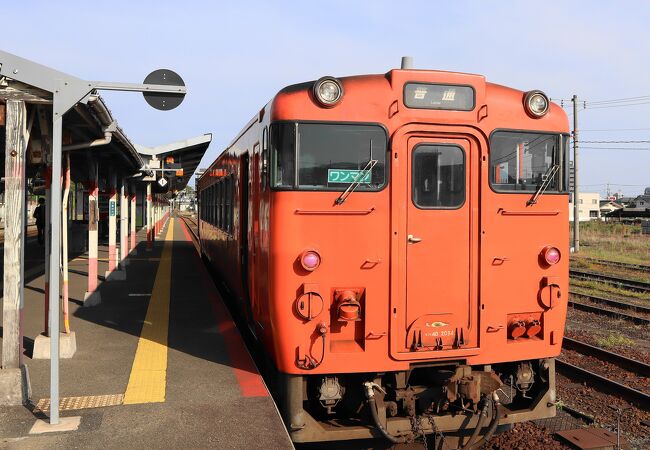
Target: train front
(418,255)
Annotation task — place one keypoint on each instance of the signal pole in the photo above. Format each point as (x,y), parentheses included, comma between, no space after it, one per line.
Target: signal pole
(576,218)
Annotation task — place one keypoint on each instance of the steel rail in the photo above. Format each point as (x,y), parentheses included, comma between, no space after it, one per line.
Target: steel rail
(604,262)
(608,312)
(626,283)
(611,302)
(190,228)
(633,365)
(639,399)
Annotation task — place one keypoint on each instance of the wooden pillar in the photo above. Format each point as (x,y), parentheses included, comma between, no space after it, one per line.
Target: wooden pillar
(13,376)
(112,225)
(124,221)
(149,218)
(132,193)
(14,239)
(93,225)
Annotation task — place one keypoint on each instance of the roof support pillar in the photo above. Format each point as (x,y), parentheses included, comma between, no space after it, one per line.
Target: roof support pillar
(55,257)
(149,218)
(124,222)
(93,235)
(112,225)
(132,193)
(13,378)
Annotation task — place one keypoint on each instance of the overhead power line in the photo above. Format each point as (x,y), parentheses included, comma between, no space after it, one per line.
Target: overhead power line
(618,148)
(613,142)
(616,129)
(620,100)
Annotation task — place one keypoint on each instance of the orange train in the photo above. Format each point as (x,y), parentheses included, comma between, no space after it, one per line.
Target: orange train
(398,246)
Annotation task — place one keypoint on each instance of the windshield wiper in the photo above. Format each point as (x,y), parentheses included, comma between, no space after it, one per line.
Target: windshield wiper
(546,181)
(355,184)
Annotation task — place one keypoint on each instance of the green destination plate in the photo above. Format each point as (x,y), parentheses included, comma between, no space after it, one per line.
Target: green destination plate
(347,176)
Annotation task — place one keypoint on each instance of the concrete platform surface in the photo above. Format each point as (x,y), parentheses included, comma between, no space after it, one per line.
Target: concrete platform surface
(158,364)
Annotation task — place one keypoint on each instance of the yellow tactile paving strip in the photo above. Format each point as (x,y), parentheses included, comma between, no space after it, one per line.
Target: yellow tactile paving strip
(147,381)
(85,402)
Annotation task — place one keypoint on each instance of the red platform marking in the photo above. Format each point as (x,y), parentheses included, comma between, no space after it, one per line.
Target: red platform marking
(249,379)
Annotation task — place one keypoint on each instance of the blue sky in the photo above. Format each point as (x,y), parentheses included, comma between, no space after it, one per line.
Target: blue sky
(234,56)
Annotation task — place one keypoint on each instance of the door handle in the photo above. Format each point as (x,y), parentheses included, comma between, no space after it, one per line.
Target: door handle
(413,240)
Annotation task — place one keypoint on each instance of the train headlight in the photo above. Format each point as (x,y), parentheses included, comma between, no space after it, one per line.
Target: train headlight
(551,255)
(536,104)
(328,91)
(310,260)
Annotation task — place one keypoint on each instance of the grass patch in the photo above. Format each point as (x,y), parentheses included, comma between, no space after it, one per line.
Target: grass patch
(614,340)
(614,241)
(603,290)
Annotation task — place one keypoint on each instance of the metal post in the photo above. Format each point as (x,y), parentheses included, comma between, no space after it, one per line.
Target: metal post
(576,200)
(55,256)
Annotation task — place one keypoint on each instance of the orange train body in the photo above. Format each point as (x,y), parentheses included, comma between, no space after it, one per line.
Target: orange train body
(437,260)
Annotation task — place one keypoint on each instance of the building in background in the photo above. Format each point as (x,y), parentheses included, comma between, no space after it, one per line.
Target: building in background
(609,206)
(588,206)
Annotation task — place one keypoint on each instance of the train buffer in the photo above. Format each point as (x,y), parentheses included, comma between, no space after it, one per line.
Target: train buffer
(159,362)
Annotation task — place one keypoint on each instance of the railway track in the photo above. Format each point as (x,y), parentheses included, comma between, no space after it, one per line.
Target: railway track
(639,399)
(633,365)
(596,309)
(191,224)
(611,302)
(633,285)
(603,262)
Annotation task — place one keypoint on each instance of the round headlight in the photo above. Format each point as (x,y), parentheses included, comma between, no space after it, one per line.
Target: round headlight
(536,103)
(328,91)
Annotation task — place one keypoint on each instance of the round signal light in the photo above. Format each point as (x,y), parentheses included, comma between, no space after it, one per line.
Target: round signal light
(310,260)
(536,104)
(551,255)
(328,91)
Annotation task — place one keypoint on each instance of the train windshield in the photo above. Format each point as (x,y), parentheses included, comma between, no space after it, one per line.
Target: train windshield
(329,157)
(521,162)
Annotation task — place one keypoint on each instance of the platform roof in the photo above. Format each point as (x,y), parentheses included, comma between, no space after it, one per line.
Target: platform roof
(188,153)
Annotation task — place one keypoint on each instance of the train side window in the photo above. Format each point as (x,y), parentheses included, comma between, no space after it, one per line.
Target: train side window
(265,158)
(283,137)
(228,203)
(438,176)
(219,204)
(211,218)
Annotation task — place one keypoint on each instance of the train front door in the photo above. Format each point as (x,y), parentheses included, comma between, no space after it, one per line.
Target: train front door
(435,192)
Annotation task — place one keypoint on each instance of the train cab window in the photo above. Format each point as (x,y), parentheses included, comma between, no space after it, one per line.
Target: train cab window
(438,176)
(521,161)
(329,156)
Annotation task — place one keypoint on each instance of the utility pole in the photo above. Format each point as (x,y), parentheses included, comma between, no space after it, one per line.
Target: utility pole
(576,214)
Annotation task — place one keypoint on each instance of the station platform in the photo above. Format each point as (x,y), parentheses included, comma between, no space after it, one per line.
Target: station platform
(159,362)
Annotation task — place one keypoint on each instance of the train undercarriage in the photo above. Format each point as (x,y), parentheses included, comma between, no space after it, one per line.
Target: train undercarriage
(463,406)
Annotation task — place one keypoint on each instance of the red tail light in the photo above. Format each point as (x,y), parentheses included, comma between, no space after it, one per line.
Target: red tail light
(551,255)
(310,260)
